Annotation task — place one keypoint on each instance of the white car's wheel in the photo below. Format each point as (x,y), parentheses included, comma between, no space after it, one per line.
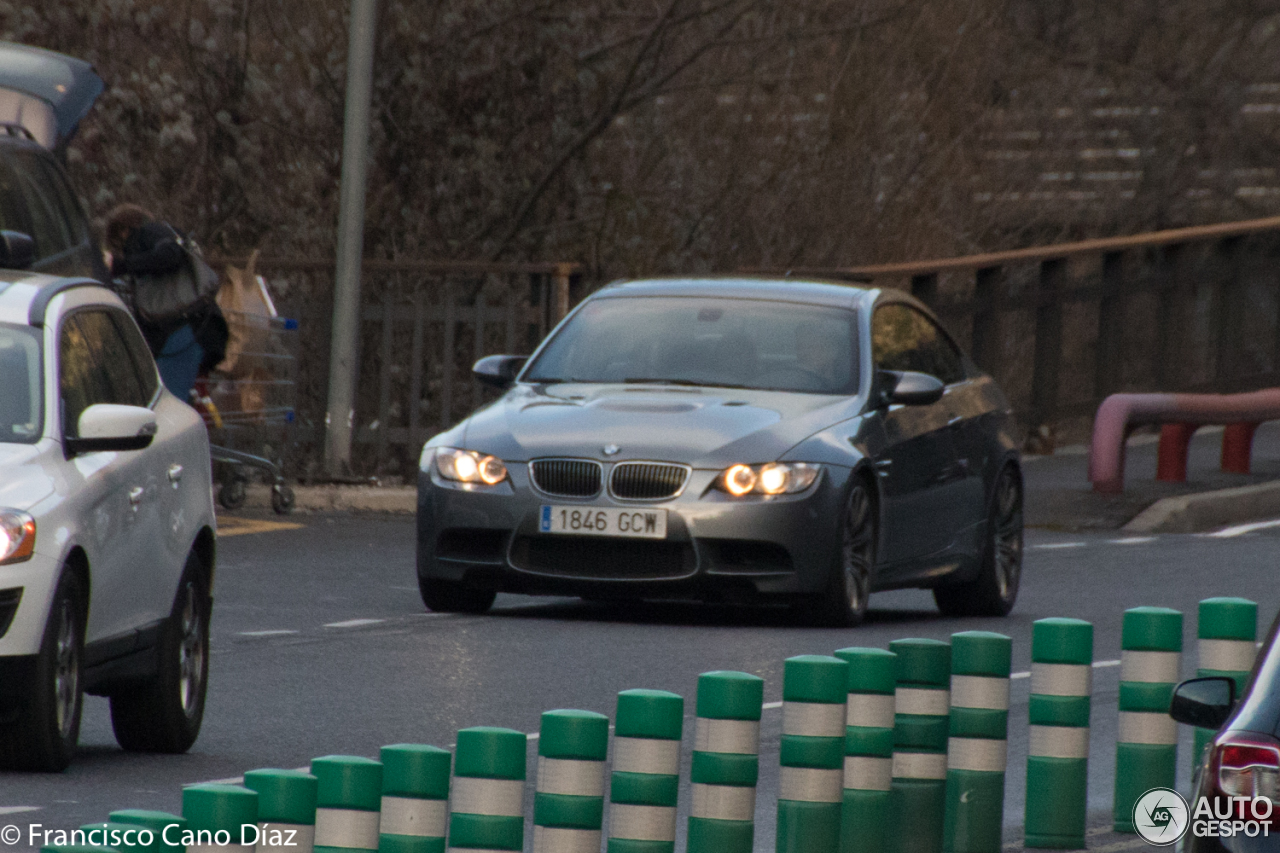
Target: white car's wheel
(44,734)
(164,715)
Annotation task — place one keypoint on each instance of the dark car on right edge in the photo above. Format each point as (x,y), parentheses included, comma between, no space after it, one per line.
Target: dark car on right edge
(1243,760)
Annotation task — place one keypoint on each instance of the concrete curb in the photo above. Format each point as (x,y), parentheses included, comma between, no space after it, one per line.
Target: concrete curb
(392,499)
(1203,511)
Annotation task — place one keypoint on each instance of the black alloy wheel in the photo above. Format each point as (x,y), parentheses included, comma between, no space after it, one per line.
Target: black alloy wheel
(995,589)
(44,734)
(845,602)
(165,714)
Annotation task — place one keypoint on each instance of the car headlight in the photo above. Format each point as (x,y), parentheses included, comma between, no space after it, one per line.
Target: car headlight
(775,478)
(468,466)
(17,536)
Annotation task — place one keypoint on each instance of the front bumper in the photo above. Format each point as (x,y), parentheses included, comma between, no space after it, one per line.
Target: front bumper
(717,547)
(36,579)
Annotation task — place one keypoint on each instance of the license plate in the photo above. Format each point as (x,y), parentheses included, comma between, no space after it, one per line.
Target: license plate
(604,521)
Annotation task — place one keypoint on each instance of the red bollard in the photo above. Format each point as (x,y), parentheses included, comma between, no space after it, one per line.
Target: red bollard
(1237,447)
(1171,459)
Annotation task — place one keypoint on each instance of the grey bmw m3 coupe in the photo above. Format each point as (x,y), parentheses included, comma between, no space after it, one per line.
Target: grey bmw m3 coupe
(730,439)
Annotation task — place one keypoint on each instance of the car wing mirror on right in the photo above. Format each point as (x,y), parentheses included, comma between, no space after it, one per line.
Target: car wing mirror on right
(1203,702)
(498,371)
(909,388)
(17,250)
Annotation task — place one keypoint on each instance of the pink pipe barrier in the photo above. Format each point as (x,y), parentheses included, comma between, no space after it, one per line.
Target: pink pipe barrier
(1120,414)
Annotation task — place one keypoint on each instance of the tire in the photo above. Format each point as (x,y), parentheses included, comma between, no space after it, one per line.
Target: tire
(282,499)
(233,493)
(164,714)
(444,596)
(995,589)
(844,604)
(44,734)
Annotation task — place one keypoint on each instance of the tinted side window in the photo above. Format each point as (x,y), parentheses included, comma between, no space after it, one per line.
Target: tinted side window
(48,226)
(904,339)
(144,365)
(95,366)
(72,214)
(13,210)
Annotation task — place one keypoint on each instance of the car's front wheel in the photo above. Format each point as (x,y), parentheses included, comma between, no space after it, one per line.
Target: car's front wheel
(995,589)
(164,715)
(445,596)
(47,727)
(849,588)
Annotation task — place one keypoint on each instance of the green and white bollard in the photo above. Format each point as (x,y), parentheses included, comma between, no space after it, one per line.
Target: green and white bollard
(348,799)
(486,806)
(166,828)
(1227,630)
(811,781)
(216,815)
(568,806)
(415,798)
(726,763)
(918,792)
(286,809)
(1147,746)
(977,750)
(1058,754)
(868,750)
(645,785)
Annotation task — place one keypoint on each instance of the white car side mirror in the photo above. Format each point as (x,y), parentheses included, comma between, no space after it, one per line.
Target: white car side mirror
(107,426)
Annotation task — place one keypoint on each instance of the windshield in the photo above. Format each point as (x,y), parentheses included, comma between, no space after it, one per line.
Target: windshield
(731,343)
(19,384)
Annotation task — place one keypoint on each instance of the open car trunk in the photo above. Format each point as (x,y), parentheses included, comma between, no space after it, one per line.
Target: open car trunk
(46,93)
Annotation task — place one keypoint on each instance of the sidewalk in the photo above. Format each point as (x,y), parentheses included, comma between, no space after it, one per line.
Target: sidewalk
(1060,497)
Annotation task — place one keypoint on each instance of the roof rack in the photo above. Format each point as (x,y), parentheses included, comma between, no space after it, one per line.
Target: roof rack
(40,305)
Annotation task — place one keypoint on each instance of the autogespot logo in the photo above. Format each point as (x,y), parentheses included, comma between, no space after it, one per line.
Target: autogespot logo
(1160,816)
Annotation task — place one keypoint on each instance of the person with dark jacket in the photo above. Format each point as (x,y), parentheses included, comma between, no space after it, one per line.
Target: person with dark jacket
(141,244)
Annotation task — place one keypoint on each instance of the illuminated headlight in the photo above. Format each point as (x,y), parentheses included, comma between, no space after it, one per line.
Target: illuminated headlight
(17,536)
(467,466)
(775,478)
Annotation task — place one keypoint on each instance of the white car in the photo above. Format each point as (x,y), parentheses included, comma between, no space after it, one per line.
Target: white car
(107,530)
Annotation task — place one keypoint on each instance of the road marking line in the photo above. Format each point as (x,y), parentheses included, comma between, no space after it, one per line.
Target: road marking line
(19,809)
(230,526)
(1053,546)
(274,633)
(1133,540)
(1241,529)
(230,780)
(1019,675)
(769,706)
(355,623)
(405,588)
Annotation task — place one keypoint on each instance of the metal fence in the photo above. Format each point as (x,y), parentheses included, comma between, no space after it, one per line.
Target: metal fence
(423,326)
(1062,326)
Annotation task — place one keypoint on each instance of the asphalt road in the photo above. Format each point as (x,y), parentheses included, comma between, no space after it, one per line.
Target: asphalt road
(321,645)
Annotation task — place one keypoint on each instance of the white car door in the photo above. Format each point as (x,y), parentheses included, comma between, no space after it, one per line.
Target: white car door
(117,493)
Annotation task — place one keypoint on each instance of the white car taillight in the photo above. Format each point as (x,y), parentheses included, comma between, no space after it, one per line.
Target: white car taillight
(1248,767)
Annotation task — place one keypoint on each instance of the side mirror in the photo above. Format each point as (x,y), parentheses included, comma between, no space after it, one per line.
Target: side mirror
(17,250)
(498,371)
(909,388)
(106,426)
(1203,702)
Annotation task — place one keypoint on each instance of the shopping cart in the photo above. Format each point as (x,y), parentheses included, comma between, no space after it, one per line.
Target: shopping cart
(248,401)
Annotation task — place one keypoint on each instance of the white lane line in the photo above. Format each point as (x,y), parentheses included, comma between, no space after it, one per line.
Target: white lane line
(1098,664)
(769,706)
(533,735)
(230,780)
(1054,546)
(404,588)
(1241,529)
(19,809)
(1132,540)
(355,623)
(278,632)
